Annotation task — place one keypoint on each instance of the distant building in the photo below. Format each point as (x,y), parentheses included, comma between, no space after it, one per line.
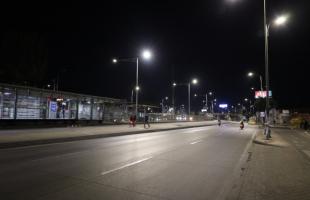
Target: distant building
(25,103)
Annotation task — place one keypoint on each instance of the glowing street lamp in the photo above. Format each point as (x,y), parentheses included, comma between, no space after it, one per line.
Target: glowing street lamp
(146,54)
(281,20)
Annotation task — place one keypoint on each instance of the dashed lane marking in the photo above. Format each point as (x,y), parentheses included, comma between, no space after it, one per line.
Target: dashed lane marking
(195,142)
(125,166)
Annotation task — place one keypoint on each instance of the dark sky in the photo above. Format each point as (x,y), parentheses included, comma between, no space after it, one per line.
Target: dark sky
(216,41)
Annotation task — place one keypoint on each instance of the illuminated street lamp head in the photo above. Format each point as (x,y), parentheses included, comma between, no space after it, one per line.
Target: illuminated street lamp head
(147,55)
(194,81)
(250,74)
(114,60)
(281,20)
(174,84)
(137,88)
(195,95)
(252,88)
(245,99)
(210,93)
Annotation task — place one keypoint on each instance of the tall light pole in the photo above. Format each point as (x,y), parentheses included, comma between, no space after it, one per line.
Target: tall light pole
(172,98)
(207,102)
(206,99)
(266,34)
(211,108)
(194,82)
(162,104)
(147,55)
(278,22)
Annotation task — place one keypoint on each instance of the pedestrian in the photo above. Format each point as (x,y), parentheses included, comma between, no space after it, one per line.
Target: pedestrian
(134,121)
(131,121)
(146,120)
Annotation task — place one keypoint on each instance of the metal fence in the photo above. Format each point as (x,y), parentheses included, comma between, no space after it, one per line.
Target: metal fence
(19,102)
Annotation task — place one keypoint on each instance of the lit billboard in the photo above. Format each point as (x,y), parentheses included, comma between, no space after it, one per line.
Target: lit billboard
(223,105)
(262,94)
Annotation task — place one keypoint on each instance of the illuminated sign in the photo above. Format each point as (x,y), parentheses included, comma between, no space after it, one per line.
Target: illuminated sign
(223,105)
(53,106)
(262,94)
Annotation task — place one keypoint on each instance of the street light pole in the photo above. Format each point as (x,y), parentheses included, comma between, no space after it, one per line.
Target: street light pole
(137,85)
(194,81)
(189,99)
(173,96)
(207,102)
(261,82)
(266,33)
(145,55)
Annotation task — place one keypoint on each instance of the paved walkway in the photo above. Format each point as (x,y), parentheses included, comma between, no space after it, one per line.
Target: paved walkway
(277,170)
(14,138)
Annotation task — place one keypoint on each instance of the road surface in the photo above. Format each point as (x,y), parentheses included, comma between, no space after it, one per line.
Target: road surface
(194,163)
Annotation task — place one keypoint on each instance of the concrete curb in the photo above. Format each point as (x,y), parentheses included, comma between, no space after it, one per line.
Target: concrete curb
(88,137)
(265,143)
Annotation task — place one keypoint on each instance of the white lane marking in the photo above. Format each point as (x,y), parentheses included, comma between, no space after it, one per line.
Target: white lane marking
(195,142)
(124,166)
(194,131)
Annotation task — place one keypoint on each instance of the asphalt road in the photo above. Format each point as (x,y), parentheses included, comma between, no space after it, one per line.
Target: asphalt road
(195,163)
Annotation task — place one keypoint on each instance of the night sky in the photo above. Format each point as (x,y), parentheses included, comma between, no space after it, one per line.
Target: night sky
(216,41)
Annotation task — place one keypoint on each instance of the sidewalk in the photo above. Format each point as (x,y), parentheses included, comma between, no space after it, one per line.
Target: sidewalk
(280,126)
(26,137)
(275,171)
(276,140)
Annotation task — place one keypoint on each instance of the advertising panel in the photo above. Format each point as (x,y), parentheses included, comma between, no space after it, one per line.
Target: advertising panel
(262,94)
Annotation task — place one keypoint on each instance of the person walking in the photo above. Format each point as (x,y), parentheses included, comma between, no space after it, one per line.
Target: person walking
(134,121)
(131,121)
(146,120)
